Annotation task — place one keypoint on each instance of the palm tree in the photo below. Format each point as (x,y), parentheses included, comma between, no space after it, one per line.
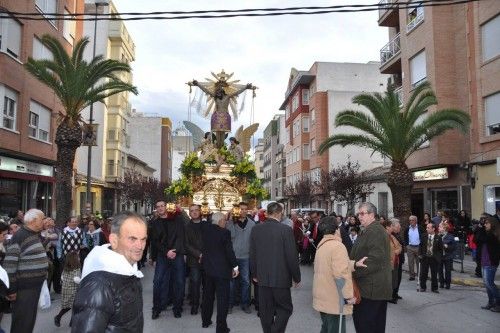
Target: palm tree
(396,132)
(77,83)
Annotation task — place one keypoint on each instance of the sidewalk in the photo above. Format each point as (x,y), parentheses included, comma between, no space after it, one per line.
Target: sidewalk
(467,278)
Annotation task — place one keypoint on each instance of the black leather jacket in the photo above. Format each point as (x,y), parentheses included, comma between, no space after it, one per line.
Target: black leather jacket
(108,302)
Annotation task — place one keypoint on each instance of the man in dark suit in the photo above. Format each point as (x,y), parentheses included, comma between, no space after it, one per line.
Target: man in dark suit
(274,273)
(219,265)
(430,253)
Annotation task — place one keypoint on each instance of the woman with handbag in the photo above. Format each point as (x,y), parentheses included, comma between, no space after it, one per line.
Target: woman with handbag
(331,266)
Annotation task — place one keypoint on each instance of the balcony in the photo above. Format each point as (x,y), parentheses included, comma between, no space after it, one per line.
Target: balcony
(388,13)
(390,56)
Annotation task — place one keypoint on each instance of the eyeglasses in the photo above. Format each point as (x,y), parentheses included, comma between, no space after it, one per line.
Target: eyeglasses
(363,213)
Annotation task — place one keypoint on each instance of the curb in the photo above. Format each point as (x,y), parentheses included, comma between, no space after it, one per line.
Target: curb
(474,282)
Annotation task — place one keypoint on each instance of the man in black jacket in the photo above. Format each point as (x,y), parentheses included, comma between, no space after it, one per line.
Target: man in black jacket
(219,265)
(430,253)
(274,273)
(193,255)
(109,298)
(167,254)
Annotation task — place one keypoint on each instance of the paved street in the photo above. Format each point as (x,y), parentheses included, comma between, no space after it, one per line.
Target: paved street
(455,310)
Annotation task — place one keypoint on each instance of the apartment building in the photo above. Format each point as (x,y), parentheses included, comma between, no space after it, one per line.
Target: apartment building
(259,159)
(182,145)
(280,161)
(312,101)
(29,109)
(271,141)
(151,142)
(456,49)
(112,117)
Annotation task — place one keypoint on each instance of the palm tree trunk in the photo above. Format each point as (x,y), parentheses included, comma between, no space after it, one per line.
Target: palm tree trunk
(68,139)
(400,181)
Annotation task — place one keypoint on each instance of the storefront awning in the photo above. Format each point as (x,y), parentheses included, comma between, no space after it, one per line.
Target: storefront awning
(26,176)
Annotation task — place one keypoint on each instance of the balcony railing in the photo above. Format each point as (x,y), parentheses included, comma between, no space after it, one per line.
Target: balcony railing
(415,21)
(384,6)
(390,50)
(399,93)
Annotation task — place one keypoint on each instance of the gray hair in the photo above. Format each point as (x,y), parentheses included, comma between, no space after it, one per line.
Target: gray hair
(370,208)
(119,219)
(32,214)
(274,208)
(394,222)
(216,217)
(413,217)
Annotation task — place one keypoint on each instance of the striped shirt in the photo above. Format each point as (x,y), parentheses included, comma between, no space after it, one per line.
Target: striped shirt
(26,260)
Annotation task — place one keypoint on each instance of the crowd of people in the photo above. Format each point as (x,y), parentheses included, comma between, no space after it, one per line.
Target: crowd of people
(200,256)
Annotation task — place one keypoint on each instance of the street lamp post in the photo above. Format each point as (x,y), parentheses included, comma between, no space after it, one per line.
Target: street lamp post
(88,207)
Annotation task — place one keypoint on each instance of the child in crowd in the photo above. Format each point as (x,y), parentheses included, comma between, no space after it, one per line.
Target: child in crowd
(70,279)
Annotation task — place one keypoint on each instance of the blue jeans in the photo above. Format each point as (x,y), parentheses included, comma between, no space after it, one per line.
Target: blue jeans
(168,271)
(244,268)
(489,283)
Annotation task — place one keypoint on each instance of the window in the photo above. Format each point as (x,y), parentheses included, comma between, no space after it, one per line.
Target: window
(418,69)
(39,122)
(305,124)
(418,122)
(383,203)
(296,152)
(287,135)
(489,35)
(492,113)
(313,116)
(47,7)
(305,96)
(69,29)
(41,51)
(313,146)
(111,168)
(296,128)
(9,108)
(295,102)
(10,36)
(415,16)
(287,111)
(305,152)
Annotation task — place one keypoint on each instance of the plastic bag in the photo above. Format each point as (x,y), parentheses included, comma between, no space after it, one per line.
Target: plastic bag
(44,300)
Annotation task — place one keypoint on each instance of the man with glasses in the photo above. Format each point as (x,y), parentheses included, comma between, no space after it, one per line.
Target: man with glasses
(374,280)
(167,255)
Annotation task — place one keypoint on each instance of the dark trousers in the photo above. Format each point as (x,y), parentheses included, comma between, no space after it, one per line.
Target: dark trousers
(255,295)
(195,281)
(445,271)
(24,310)
(400,275)
(425,264)
(275,307)
(56,275)
(215,286)
(168,272)
(369,316)
(331,323)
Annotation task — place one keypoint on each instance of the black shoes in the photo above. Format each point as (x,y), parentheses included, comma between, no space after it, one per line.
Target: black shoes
(447,287)
(441,285)
(411,279)
(205,325)
(495,308)
(393,301)
(487,307)
(435,291)
(422,290)
(230,310)
(399,297)
(57,321)
(194,311)
(155,314)
(177,314)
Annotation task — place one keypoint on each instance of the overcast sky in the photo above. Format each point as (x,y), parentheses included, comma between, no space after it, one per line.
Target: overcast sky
(258,50)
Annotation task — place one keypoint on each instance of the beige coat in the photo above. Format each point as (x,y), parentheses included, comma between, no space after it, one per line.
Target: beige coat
(332,261)
(395,249)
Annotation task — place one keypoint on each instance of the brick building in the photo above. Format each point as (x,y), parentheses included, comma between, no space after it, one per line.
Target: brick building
(456,49)
(28,108)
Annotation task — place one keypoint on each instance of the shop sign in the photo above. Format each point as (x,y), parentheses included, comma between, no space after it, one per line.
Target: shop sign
(22,166)
(431,174)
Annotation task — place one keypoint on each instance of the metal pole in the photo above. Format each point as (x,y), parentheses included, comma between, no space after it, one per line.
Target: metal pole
(91,115)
